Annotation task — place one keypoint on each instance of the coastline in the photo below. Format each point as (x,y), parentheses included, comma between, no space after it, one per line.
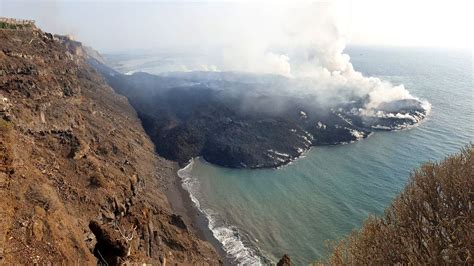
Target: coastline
(181,203)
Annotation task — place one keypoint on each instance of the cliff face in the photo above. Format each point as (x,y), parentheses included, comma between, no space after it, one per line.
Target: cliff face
(79,179)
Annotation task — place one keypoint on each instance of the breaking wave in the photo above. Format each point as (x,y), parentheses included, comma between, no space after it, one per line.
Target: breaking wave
(227,235)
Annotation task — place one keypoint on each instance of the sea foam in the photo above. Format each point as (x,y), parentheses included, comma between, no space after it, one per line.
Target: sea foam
(227,235)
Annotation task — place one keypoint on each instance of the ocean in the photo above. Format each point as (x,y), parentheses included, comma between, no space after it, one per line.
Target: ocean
(259,215)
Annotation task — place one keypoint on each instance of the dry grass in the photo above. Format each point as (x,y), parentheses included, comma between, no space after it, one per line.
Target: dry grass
(4,125)
(430,222)
(5,146)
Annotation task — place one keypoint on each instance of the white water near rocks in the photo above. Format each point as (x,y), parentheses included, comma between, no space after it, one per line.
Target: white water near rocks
(227,235)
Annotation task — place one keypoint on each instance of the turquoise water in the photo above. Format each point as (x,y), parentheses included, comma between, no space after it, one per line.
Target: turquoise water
(259,215)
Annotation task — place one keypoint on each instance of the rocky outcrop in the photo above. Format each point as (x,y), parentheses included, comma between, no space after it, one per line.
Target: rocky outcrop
(284,261)
(79,180)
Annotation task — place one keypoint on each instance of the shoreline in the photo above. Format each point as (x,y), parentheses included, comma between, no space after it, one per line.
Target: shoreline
(181,203)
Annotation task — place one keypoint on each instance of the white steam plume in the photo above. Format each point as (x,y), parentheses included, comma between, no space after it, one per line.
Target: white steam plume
(306,41)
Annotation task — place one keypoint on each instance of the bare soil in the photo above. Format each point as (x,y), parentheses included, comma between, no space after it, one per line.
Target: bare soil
(79,179)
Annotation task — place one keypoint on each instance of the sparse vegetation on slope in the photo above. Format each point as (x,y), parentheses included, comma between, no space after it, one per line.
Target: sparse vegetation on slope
(430,222)
(79,180)
(13,24)
(5,147)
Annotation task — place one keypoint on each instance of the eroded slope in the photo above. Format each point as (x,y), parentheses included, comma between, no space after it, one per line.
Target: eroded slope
(79,180)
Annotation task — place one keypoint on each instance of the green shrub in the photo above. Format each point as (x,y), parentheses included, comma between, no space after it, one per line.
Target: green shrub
(430,222)
(5,125)
(5,25)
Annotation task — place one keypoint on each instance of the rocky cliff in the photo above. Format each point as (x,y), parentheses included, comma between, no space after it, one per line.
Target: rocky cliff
(79,179)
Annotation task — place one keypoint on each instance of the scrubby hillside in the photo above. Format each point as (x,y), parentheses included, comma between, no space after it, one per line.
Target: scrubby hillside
(430,222)
(79,180)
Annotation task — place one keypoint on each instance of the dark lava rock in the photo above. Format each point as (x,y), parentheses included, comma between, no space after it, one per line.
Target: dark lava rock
(234,120)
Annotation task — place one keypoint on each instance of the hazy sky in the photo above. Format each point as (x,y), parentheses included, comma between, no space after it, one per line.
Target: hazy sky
(126,25)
